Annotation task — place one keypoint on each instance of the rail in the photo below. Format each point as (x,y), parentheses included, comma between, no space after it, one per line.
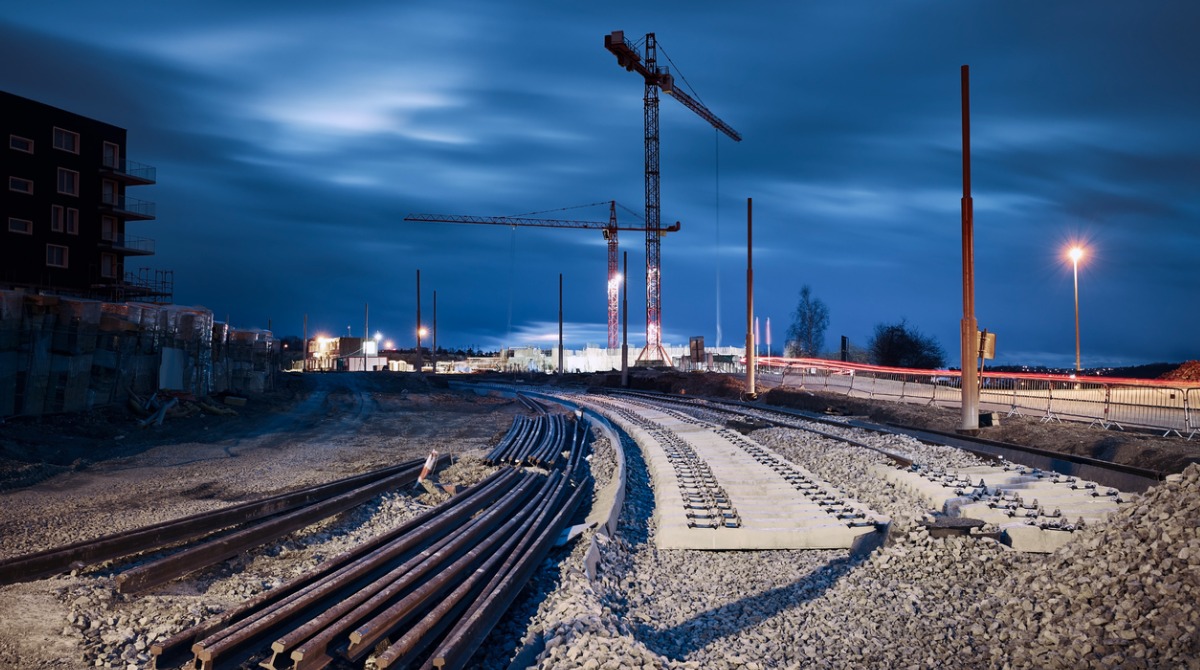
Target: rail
(158,536)
(1167,407)
(433,587)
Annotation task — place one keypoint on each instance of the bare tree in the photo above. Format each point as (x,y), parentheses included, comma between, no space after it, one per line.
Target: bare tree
(901,346)
(806,335)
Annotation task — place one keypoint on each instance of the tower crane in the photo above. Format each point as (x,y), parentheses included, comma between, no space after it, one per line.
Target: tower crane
(607,228)
(656,78)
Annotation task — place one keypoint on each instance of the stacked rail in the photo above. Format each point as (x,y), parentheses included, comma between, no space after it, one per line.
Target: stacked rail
(535,441)
(427,592)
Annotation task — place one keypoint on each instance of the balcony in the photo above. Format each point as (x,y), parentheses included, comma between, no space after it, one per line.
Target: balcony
(127,208)
(129,246)
(131,173)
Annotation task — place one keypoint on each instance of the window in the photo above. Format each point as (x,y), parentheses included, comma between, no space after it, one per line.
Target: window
(108,265)
(23,226)
(108,228)
(64,219)
(56,256)
(20,185)
(18,143)
(112,155)
(66,140)
(68,181)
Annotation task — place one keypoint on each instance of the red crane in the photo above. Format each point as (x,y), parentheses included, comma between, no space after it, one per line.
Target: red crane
(607,228)
(656,78)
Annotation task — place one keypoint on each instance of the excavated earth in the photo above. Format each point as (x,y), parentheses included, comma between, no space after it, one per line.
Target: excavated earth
(1122,594)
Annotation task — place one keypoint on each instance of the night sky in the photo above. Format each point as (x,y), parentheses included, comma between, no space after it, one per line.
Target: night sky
(292,138)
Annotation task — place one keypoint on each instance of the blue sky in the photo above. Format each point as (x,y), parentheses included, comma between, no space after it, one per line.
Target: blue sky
(292,138)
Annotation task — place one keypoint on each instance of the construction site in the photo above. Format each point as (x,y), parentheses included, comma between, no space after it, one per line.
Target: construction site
(176,492)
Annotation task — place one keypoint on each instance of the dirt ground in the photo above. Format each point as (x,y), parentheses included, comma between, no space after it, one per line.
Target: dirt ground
(32,450)
(69,477)
(73,477)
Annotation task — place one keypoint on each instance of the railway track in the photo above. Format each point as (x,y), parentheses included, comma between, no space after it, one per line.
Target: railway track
(1029,508)
(260,519)
(1126,478)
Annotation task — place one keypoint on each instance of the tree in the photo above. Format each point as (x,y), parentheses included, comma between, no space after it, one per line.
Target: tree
(900,346)
(806,335)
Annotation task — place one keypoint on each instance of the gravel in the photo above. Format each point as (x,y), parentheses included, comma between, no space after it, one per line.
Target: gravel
(1122,594)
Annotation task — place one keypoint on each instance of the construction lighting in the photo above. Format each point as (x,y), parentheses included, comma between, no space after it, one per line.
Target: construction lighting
(1075,253)
(422,331)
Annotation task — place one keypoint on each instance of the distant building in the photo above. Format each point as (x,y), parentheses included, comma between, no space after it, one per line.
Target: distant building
(64,210)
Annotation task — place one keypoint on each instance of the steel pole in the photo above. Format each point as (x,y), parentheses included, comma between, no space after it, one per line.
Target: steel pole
(433,350)
(1075,262)
(420,360)
(969,333)
(625,320)
(751,392)
(560,328)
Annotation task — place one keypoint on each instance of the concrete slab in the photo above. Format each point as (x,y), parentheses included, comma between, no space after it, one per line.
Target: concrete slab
(717,489)
(1037,511)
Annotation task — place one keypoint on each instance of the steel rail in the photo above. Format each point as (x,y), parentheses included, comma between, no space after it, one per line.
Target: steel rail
(367,634)
(414,641)
(481,563)
(211,635)
(220,548)
(308,643)
(713,405)
(161,535)
(505,441)
(465,637)
(1117,475)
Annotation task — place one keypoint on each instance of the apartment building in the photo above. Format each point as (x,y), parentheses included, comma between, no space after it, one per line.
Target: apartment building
(64,207)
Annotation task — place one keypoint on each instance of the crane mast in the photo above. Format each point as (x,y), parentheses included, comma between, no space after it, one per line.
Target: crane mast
(655,78)
(608,228)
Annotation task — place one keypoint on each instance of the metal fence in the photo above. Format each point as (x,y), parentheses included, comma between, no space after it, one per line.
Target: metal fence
(1169,407)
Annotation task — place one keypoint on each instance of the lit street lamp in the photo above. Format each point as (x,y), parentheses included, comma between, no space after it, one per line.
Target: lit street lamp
(1076,253)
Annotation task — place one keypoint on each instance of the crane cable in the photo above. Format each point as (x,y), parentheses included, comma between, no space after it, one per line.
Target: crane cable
(717,207)
(560,209)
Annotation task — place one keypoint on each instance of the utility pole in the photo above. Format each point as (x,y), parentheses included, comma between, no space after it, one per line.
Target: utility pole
(625,320)
(305,365)
(433,351)
(751,392)
(970,329)
(366,332)
(560,328)
(420,359)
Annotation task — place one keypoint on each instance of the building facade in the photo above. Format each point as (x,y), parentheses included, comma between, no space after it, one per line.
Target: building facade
(64,208)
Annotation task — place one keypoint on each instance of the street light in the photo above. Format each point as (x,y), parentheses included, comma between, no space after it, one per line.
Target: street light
(1076,253)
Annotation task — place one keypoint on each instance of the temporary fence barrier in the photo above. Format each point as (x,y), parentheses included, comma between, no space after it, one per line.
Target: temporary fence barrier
(1158,405)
